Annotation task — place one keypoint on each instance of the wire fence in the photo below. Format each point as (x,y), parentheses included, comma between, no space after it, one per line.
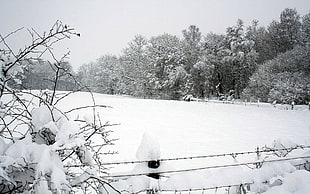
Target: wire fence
(301,162)
(256,163)
(233,154)
(241,186)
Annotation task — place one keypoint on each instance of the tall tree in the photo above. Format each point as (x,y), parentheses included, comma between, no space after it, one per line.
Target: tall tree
(201,74)
(241,56)
(263,44)
(168,75)
(192,46)
(285,34)
(214,51)
(136,67)
(305,34)
(290,28)
(107,75)
(40,74)
(86,75)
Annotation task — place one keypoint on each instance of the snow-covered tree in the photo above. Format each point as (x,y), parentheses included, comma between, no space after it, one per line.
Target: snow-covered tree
(285,34)
(291,87)
(290,27)
(305,34)
(284,78)
(201,75)
(167,57)
(41,74)
(240,55)
(192,46)
(86,74)
(136,67)
(107,74)
(213,53)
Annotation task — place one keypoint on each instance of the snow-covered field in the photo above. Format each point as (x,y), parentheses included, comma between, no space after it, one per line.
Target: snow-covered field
(200,128)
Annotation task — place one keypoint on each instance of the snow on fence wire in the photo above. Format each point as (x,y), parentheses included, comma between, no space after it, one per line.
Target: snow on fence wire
(242,187)
(228,187)
(274,104)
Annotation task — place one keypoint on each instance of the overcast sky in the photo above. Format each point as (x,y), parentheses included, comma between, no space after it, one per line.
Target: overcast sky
(106,26)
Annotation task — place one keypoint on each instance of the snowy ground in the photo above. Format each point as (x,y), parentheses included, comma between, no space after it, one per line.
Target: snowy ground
(197,128)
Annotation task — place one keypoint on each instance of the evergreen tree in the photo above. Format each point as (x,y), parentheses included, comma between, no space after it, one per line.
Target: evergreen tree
(192,46)
(284,35)
(241,57)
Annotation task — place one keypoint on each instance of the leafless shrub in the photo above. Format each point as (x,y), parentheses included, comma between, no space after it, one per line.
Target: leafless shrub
(42,150)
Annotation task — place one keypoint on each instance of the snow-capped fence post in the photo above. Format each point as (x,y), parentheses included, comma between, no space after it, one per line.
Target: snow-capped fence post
(258,157)
(149,151)
(292,105)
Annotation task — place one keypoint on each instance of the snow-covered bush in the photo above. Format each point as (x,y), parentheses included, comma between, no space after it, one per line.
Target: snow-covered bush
(284,78)
(43,149)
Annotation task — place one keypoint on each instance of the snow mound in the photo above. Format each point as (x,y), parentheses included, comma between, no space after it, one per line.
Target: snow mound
(149,148)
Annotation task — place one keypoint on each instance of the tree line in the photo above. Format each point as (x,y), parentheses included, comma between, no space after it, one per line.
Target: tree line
(249,62)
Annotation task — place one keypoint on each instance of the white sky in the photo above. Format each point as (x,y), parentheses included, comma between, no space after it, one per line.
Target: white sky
(106,26)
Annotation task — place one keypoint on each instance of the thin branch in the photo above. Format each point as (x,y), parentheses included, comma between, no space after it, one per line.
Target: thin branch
(11,33)
(90,106)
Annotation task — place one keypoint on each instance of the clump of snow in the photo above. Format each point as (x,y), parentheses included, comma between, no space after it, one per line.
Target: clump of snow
(37,158)
(44,161)
(52,127)
(89,119)
(85,155)
(283,147)
(89,172)
(149,148)
(3,147)
(296,182)
(49,164)
(43,115)
(42,187)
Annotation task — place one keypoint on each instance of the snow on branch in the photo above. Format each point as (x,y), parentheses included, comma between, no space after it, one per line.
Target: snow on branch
(43,150)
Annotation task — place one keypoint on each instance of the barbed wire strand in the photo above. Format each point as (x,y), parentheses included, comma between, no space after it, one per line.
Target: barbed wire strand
(240,185)
(195,189)
(261,162)
(267,150)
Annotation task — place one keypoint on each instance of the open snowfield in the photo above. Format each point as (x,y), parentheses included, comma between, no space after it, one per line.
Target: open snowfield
(198,128)
(195,128)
